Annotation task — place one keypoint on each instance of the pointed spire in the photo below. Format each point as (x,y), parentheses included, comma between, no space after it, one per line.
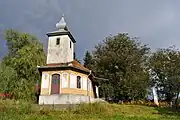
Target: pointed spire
(61,25)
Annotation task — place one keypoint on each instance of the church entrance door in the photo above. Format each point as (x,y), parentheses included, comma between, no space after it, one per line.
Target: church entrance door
(55,84)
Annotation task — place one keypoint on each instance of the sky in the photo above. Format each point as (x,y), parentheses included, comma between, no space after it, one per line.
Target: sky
(155,22)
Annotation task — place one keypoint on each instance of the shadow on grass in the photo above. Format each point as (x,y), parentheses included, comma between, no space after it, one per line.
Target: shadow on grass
(167,111)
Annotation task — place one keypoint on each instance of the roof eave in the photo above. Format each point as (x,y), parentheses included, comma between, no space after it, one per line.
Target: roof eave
(56,33)
(44,68)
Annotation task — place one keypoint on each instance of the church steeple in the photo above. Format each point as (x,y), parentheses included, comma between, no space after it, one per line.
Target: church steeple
(61,44)
(62,29)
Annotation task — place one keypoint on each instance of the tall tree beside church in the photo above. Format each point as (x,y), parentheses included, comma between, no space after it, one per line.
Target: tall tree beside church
(25,52)
(87,59)
(123,61)
(165,68)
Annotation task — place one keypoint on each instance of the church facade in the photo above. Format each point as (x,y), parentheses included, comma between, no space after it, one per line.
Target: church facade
(64,80)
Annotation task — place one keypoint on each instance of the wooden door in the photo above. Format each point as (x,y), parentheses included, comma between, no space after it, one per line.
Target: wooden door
(55,84)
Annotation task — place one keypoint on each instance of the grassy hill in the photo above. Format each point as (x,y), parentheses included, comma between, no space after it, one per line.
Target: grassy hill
(16,110)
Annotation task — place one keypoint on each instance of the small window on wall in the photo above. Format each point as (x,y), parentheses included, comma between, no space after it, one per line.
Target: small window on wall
(57,41)
(78,82)
(70,44)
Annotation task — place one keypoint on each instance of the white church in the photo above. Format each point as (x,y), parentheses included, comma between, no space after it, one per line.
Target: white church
(64,80)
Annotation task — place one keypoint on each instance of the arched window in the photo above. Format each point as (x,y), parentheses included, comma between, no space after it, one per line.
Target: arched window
(78,81)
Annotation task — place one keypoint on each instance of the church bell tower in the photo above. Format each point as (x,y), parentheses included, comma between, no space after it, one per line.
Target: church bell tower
(60,44)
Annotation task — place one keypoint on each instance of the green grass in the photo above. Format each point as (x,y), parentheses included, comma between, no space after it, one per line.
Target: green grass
(17,110)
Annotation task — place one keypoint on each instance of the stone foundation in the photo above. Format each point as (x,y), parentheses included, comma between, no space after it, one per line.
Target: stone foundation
(64,99)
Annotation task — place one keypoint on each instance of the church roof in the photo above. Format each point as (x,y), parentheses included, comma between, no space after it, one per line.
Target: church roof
(75,65)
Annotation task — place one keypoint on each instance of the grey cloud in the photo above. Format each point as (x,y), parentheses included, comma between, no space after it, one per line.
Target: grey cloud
(90,21)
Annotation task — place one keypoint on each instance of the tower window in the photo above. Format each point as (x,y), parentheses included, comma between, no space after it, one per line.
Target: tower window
(74,55)
(78,82)
(57,41)
(70,44)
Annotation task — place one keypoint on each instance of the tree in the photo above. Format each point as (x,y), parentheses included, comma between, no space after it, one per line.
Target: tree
(165,66)
(7,79)
(25,52)
(123,61)
(75,58)
(15,40)
(87,59)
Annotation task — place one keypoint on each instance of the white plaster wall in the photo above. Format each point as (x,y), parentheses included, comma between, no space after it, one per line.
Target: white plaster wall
(89,85)
(61,53)
(45,80)
(82,82)
(65,80)
(84,86)
(73,81)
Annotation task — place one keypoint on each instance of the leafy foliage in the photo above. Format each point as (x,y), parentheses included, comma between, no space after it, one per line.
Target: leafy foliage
(88,59)
(165,72)
(123,62)
(8,78)
(25,52)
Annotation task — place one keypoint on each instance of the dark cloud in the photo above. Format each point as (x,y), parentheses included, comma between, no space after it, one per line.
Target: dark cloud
(90,21)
